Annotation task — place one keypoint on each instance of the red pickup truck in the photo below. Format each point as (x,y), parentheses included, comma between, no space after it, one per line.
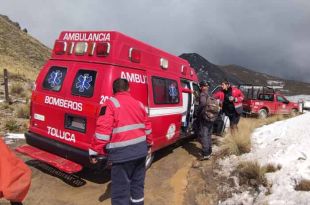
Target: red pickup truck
(263,101)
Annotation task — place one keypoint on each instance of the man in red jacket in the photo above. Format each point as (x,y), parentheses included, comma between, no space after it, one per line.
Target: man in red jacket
(231,99)
(123,132)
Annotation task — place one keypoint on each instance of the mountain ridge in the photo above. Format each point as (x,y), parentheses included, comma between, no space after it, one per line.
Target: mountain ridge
(240,75)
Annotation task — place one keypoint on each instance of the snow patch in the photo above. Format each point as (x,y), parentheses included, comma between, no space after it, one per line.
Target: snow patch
(285,143)
(10,138)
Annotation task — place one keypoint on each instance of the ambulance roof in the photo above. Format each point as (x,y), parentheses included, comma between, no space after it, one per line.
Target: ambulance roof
(122,50)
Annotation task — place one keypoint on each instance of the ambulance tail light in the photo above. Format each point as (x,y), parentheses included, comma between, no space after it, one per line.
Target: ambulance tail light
(60,47)
(134,55)
(164,63)
(70,48)
(91,49)
(103,49)
(80,48)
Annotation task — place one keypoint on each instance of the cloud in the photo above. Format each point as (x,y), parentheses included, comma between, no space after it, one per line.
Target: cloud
(268,35)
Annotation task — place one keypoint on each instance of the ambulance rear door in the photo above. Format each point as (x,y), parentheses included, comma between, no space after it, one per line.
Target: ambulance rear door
(187,105)
(66,102)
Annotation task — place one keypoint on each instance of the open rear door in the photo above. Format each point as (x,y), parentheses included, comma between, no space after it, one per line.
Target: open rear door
(188,106)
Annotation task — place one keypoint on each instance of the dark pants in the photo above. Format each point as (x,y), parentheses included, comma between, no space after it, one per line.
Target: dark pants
(128,182)
(234,117)
(205,133)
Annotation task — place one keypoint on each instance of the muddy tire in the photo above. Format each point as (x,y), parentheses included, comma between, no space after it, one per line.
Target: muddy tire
(262,114)
(149,160)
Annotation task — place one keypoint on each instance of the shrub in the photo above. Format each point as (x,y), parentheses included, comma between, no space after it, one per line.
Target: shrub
(23,111)
(5,106)
(303,185)
(240,143)
(272,168)
(17,89)
(11,125)
(236,144)
(251,170)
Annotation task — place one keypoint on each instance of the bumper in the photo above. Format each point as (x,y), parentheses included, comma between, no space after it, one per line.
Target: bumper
(51,159)
(58,149)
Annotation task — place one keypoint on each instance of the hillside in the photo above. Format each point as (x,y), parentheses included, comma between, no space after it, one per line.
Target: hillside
(208,71)
(252,77)
(240,75)
(20,53)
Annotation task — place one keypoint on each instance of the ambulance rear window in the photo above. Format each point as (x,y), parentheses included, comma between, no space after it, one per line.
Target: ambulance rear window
(165,91)
(54,78)
(84,83)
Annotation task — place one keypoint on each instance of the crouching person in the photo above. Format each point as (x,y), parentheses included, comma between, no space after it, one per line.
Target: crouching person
(123,133)
(15,176)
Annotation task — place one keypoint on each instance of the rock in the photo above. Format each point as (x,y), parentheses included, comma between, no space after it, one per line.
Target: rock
(196,164)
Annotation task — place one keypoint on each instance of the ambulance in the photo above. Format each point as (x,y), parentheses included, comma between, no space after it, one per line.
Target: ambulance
(77,79)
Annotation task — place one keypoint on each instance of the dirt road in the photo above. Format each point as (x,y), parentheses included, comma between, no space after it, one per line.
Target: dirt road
(167,181)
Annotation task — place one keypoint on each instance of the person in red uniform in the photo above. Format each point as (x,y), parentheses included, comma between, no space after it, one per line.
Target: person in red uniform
(15,176)
(231,99)
(123,133)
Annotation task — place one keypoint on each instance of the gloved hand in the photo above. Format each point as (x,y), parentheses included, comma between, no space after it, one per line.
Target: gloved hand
(94,159)
(231,98)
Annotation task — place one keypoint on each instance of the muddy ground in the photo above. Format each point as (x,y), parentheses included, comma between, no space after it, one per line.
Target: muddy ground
(175,178)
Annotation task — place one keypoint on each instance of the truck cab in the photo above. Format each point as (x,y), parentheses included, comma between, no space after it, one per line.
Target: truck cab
(264,101)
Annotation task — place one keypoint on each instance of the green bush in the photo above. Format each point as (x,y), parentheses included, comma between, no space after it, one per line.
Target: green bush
(11,125)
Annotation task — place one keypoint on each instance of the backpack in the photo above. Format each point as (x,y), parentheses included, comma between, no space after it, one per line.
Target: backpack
(211,110)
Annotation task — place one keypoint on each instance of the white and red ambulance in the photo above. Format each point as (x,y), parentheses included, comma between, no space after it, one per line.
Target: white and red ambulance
(77,80)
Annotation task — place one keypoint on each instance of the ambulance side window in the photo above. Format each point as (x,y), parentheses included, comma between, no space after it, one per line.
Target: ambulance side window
(84,83)
(165,91)
(54,78)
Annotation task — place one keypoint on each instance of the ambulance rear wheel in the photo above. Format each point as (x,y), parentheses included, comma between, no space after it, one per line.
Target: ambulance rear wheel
(149,160)
(262,114)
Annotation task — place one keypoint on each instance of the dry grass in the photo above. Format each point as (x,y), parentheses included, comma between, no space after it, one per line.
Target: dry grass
(236,145)
(6,107)
(17,89)
(240,143)
(272,168)
(21,54)
(11,125)
(19,70)
(251,173)
(23,111)
(303,185)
